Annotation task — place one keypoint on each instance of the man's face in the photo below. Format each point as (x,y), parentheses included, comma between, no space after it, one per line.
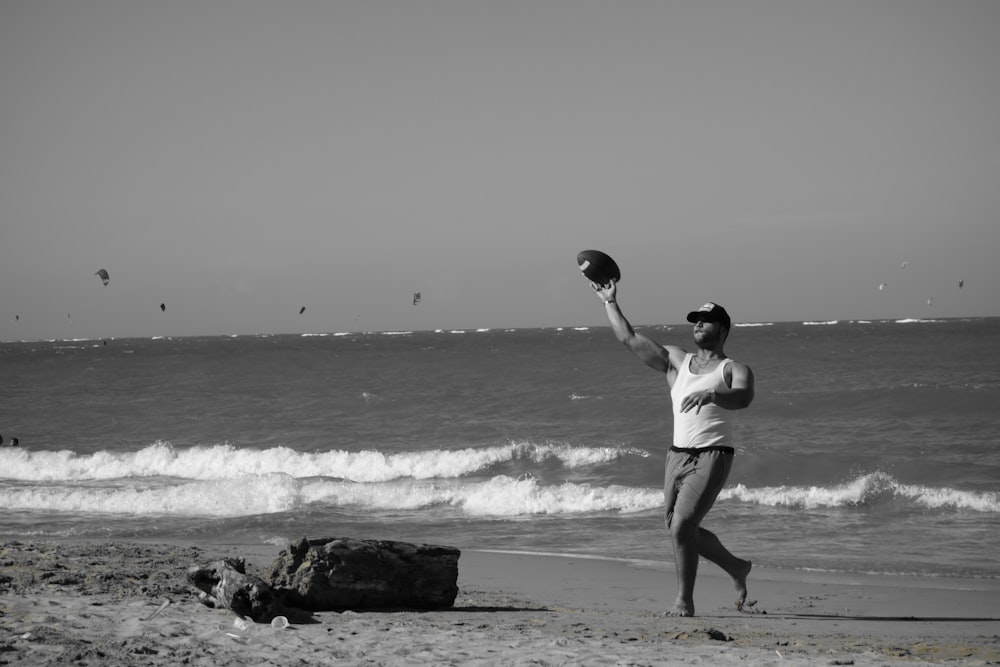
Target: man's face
(708,333)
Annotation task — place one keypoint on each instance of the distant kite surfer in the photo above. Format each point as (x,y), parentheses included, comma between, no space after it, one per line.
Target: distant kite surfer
(163,307)
(416,298)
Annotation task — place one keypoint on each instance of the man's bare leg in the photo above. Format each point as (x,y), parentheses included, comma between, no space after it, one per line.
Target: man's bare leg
(686,564)
(712,549)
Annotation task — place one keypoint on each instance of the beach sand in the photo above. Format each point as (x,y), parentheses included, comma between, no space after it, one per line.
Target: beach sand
(104,604)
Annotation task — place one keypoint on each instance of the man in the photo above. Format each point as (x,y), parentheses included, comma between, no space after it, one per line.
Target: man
(705,387)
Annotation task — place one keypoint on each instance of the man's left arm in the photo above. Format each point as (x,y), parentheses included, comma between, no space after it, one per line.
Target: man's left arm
(740,392)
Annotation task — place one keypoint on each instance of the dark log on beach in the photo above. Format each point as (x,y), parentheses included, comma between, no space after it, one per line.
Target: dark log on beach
(224,583)
(333,574)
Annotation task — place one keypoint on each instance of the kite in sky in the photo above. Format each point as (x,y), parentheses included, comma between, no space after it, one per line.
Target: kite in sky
(302,310)
(163,307)
(881,286)
(105,278)
(961,284)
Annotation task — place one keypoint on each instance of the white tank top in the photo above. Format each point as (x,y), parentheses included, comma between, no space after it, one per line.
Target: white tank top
(710,426)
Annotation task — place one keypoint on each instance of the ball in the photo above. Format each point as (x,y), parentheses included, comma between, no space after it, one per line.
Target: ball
(598,267)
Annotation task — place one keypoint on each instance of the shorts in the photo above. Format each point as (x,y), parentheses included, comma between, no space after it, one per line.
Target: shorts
(693,479)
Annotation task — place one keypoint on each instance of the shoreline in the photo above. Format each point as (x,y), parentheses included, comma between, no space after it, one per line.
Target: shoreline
(103,603)
(844,321)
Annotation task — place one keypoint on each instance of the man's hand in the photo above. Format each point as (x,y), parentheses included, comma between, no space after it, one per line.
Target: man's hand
(605,293)
(696,400)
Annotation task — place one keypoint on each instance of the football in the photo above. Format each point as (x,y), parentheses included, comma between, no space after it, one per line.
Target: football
(598,267)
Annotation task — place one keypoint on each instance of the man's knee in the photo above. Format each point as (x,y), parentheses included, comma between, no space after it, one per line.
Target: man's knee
(680,526)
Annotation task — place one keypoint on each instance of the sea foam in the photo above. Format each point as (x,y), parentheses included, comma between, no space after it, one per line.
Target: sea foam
(865,490)
(497,496)
(500,496)
(227,461)
(263,494)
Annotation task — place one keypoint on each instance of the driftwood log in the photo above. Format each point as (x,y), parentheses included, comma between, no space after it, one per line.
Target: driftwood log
(334,574)
(224,583)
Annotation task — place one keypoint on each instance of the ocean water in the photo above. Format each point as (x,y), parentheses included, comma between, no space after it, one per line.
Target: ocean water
(870,447)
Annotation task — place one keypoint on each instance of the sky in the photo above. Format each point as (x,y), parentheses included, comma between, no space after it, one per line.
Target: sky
(236,160)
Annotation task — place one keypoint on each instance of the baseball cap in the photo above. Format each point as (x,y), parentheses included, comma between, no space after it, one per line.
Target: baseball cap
(711,312)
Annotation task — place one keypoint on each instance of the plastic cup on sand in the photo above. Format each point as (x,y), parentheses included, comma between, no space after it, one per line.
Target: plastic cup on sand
(241,630)
(279,622)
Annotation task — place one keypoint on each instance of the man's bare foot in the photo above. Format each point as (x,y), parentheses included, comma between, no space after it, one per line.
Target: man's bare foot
(740,579)
(681,609)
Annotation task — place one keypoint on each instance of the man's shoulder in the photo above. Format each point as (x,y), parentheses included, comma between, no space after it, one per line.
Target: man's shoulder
(739,367)
(676,353)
